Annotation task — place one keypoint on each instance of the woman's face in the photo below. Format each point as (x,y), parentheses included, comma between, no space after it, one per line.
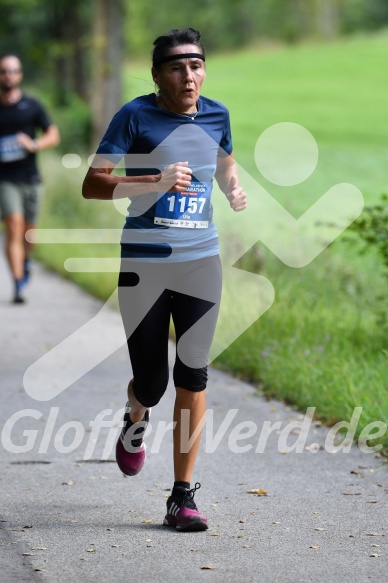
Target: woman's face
(180,80)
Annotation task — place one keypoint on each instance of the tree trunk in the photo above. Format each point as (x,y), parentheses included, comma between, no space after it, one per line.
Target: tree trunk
(328,18)
(106,58)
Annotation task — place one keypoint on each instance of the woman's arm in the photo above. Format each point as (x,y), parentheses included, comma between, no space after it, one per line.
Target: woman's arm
(101,184)
(229,182)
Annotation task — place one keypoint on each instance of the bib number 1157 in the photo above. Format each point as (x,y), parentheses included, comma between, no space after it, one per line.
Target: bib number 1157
(189,204)
(189,209)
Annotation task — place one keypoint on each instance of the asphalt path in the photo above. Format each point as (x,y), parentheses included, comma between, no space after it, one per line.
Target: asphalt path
(68,514)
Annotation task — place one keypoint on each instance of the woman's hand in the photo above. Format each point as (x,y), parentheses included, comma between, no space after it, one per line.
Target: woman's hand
(236,195)
(175,178)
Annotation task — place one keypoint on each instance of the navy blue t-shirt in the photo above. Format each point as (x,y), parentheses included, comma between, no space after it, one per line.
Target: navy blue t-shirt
(169,226)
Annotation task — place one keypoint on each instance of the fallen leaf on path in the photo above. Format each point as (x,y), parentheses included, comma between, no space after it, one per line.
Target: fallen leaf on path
(148,540)
(321,529)
(39,549)
(375,545)
(358,474)
(115,546)
(258,492)
(373,501)
(214,534)
(315,547)
(374,555)
(110,529)
(375,534)
(208,567)
(148,521)
(28,554)
(38,569)
(243,520)
(351,493)
(69,483)
(276,522)
(90,550)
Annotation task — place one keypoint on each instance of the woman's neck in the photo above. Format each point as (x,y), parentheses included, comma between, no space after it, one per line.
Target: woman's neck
(172,109)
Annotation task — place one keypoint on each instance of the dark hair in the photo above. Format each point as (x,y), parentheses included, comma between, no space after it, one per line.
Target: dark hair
(175,38)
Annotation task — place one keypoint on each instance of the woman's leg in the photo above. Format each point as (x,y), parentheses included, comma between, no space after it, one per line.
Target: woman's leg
(145,312)
(195,319)
(184,457)
(146,320)
(137,409)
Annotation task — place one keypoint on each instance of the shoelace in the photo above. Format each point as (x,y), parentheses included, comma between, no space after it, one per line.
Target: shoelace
(188,496)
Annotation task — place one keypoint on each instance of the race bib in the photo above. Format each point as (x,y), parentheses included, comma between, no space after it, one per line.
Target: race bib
(188,210)
(10,151)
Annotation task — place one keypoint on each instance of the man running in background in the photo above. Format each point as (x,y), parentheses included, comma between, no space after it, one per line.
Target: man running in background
(20,183)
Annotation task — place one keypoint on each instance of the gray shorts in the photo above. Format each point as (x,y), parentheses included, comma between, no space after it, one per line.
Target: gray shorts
(18,197)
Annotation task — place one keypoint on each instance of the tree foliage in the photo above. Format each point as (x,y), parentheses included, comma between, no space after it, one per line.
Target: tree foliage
(56,39)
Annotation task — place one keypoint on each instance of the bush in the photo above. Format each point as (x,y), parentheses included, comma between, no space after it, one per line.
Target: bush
(371,229)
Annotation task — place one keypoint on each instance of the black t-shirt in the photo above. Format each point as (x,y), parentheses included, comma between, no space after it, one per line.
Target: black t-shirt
(27,115)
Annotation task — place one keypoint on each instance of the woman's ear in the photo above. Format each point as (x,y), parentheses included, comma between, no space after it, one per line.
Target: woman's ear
(154,74)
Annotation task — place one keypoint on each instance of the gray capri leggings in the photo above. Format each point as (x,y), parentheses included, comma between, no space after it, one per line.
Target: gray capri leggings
(151,293)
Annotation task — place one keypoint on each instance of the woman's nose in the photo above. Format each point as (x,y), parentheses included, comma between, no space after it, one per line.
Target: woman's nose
(188,73)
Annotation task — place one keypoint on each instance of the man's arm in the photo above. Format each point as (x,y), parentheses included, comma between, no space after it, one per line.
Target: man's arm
(49,139)
(229,182)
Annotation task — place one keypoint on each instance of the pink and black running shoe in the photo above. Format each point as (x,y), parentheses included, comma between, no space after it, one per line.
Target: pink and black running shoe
(130,448)
(182,511)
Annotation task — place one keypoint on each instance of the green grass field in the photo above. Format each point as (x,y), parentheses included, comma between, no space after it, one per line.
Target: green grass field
(319,344)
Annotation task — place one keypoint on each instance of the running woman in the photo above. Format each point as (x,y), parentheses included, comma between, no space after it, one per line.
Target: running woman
(174,143)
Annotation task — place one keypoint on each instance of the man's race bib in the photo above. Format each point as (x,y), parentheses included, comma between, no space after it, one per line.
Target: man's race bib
(10,151)
(189,209)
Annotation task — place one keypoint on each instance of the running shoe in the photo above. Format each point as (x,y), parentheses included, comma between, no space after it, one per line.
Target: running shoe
(182,511)
(131,453)
(18,296)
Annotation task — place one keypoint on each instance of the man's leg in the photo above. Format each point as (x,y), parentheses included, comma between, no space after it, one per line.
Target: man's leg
(15,229)
(28,247)
(32,196)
